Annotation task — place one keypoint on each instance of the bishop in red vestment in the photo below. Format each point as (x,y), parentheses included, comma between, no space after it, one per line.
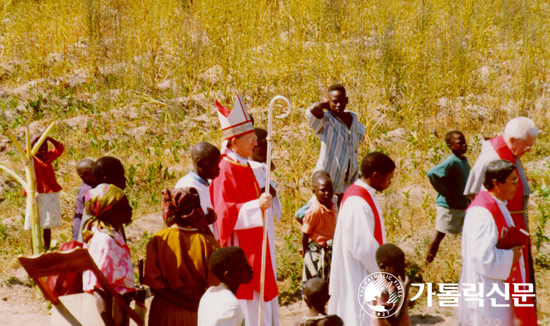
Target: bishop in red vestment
(238,202)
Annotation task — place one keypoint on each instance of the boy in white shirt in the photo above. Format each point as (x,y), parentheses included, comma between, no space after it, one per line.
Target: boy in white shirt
(219,306)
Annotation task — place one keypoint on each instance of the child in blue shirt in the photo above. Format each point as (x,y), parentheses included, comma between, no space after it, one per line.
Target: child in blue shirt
(449,179)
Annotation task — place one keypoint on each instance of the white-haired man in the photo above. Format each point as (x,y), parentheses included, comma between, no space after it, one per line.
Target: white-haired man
(520,135)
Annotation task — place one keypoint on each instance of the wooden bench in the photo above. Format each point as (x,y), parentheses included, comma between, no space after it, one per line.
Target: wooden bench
(74,261)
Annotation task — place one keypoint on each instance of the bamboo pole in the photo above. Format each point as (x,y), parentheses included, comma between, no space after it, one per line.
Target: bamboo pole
(30,184)
(267,182)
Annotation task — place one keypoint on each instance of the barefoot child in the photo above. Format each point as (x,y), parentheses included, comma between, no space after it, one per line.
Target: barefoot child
(84,170)
(47,188)
(319,225)
(219,305)
(449,179)
(391,259)
(316,297)
(206,159)
(340,133)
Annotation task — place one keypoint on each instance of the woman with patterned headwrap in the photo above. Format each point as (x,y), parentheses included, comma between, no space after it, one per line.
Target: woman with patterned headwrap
(103,237)
(176,266)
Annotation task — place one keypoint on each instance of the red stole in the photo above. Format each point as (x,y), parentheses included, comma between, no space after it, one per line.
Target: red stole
(355,190)
(235,186)
(526,315)
(516,204)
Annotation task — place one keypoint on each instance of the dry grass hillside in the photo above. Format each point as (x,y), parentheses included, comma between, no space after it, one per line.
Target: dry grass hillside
(138,79)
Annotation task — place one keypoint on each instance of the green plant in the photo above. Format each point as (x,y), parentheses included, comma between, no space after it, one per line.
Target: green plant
(3,231)
(36,107)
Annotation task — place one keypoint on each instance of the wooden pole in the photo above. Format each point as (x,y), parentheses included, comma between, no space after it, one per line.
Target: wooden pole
(265,213)
(30,184)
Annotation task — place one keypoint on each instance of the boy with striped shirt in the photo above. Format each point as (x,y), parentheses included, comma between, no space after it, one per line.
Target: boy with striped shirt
(340,133)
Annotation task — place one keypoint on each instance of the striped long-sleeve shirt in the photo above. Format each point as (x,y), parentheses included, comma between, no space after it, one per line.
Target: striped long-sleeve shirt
(338,148)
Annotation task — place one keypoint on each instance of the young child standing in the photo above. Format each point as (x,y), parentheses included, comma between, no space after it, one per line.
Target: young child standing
(47,188)
(219,305)
(108,170)
(316,297)
(319,225)
(206,159)
(340,133)
(301,212)
(449,179)
(391,259)
(84,170)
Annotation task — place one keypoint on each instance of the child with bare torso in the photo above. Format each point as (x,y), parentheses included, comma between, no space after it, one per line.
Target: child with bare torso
(316,297)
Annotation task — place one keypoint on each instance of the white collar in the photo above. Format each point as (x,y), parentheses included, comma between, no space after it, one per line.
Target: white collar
(499,202)
(224,286)
(236,157)
(363,184)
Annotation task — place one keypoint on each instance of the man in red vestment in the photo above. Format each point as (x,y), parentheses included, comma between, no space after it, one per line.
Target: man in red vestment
(239,203)
(486,265)
(519,137)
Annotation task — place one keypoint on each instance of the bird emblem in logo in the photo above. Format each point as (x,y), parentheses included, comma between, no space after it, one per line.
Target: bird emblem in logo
(381,295)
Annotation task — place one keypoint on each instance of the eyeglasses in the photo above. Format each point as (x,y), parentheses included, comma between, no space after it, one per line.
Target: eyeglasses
(250,139)
(513,181)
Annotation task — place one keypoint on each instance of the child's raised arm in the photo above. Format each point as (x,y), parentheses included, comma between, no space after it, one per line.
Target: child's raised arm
(317,109)
(57,149)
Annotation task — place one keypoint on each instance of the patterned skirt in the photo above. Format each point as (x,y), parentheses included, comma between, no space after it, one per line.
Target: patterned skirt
(317,261)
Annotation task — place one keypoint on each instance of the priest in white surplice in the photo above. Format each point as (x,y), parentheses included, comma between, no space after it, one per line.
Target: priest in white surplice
(485,267)
(520,135)
(359,232)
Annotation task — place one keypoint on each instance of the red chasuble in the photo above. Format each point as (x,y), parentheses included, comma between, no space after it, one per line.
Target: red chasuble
(516,203)
(526,315)
(355,190)
(235,186)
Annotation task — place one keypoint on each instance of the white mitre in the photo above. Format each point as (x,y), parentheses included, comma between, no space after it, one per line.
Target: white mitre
(234,122)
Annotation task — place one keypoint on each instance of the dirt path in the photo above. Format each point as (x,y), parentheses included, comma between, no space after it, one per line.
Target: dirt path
(19,305)
(424,317)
